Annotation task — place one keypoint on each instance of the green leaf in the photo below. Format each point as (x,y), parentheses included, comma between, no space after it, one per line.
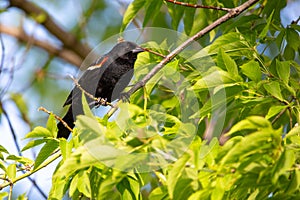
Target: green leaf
(292,38)
(216,78)
(274,6)
(158,193)
(176,13)
(289,53)
(294,131)
(73,185)
(188,18)
(183,189)
(274,110)
(65,147)
(86,109)
(266,29)
(175,173)
(252,70)
(283,165)
(294,183)
(34,143)
(225,61)
(131,12)
(251,123)
(152,8)
(20,159)
(89,128)
(234,44)
(283,70)
(274,89)
(260,142)
(84,183)
(11,171)
(2,149)
(3,194)
(51,125)
(129,188)
(39,131)
(45,152)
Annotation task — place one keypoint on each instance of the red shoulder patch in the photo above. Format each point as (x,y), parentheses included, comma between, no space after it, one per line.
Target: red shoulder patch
(98,65)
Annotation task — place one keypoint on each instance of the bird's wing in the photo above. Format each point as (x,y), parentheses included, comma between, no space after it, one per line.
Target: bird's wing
(89,80)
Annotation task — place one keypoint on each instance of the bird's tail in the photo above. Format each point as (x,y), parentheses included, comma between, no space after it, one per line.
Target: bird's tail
(69,119)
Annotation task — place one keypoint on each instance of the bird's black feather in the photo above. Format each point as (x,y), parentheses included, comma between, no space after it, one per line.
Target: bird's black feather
(106,78)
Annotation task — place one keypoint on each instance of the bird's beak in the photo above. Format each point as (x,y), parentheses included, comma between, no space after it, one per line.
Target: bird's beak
(138,50)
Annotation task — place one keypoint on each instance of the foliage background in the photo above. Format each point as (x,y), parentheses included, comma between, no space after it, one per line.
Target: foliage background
(262,90)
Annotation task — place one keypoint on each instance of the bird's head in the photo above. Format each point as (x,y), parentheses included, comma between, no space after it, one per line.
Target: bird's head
(126,51)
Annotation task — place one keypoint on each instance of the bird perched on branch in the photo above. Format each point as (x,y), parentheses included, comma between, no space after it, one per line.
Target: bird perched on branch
(105,79)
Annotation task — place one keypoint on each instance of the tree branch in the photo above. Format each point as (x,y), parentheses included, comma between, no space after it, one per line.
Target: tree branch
(63,53)
(197,5)
(69,40)
(232,13)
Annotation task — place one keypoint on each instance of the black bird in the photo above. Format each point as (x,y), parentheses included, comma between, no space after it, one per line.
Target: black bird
(105,79)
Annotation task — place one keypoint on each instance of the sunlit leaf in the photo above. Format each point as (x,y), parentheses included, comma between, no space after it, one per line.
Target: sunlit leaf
(252,70)
(227,63)
(175,173)
(274,110)
(3,194)
(251,123)
(274,89)
(51,125)
(283,70)
(20,159)
(39,131)
(264,32)
(45,152)
(11,171)
(2,149)
(294,183)
(34,143)
(283,165)
(84,184)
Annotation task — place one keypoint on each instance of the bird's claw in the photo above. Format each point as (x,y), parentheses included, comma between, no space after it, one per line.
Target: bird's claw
(101,102)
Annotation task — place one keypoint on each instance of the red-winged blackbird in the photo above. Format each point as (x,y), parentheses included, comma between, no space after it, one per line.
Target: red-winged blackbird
(105,79)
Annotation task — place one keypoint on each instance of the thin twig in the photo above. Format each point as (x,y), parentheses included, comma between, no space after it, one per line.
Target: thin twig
(296,21)
(56,117)
(99,100)
(279,115)
(153,52)
(197,5)
(10,191)
(291,117)
(3,53)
